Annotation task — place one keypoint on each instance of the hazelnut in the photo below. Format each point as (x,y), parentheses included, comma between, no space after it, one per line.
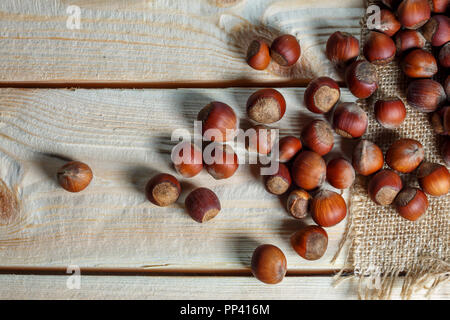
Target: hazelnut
(405,155)
(223,163)
(279,182)
(434,178)
(74,176)
(328,208)
(361,79)
(409,39)
(187,159)
(261,140)
(285,50)
(411,203)
(289,146)
(266,106)
(437,30)
(321,95)
(413,14)
(298,203)
(309,170)
(444,56)
(439,6)
(258,55)
(367,158)
(163,190)
(425,94)
(350,120)
(342,48)
(419,64)
(440,120)
(318,136)
(202,205)
(389,24)
(269,264)
(379,48)
(219,122)
(340,173)
(384,186)
(310,242)
(390,112)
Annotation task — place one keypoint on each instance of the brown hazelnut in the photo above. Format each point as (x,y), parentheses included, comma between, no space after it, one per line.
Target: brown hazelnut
(340,173)
(379,48)
(409,39)
(390,112)
(279,182)
(437,30)
(439,6)
(384,186)
(389,24)
(298,203)
(258,55)
(328,208)
(187,159)
(223,163)
(74,176)
(289,146)
(269,264)
(309,170)
(266,106)
(342,48)
(163,190)
(285,50)
(405,155)
(413,14)
(261,140)
(367,158)
(202,204)
(444,56)
(361,79)
(419,64)
(425,94)
(411,203)
(219,122)
(350,120)
(321,95)
(318,136)
(310,242)
(434,178)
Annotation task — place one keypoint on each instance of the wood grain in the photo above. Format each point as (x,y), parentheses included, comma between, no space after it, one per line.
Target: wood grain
(158,41)
(236,288)
(125,136)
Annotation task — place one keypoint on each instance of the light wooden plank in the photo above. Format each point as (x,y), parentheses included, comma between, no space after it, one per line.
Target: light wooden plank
(188,288)
(163,40)
(124,135)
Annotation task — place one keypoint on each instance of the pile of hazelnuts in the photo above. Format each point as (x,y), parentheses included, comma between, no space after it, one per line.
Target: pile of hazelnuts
(301,162)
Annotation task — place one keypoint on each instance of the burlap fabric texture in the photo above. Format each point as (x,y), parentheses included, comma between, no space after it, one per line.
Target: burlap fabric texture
(383,247)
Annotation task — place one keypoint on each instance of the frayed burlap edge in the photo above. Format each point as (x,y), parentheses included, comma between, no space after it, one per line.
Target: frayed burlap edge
(425,272)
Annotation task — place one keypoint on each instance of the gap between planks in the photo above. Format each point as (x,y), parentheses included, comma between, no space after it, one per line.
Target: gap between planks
(161,85)
(243,272)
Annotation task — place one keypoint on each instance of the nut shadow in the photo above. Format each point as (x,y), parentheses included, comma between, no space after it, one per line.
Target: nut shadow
(289,226)
(49,163)
(243,247)
(138,176)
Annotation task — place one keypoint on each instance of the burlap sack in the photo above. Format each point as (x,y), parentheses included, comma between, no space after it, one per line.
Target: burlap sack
(383,246)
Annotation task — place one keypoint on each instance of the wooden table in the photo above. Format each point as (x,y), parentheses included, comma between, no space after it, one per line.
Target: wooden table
(127,64)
